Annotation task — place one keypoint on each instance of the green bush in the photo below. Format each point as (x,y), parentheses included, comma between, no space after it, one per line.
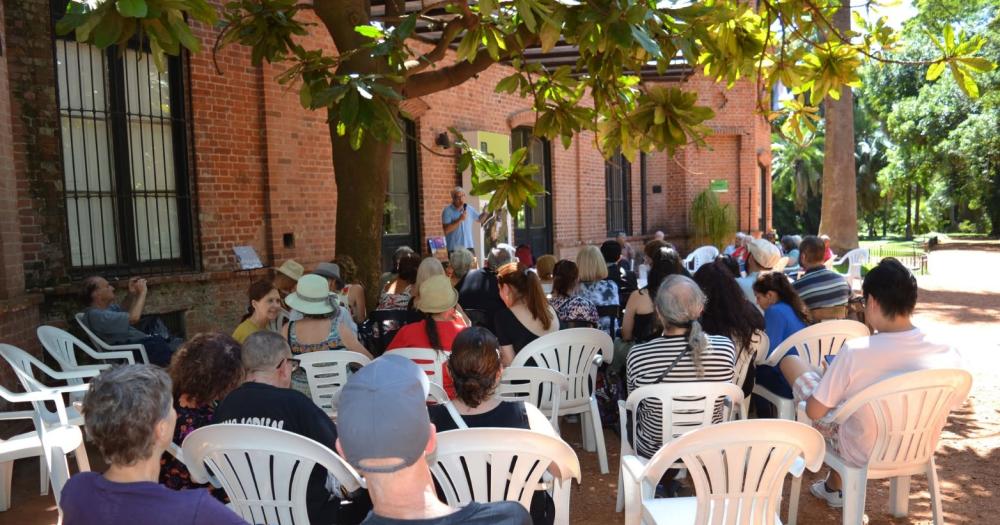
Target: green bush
(711,221)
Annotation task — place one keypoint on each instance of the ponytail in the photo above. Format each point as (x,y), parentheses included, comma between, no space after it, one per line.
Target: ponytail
(430,325)
(698,343)
(528,287)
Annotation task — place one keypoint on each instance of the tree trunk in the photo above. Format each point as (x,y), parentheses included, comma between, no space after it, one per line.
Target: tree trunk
(839,212)
(361,178)
(916,211)
(909,211)
(994,202)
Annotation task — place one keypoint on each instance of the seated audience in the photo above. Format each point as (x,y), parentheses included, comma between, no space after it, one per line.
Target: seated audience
(784,314)
(397,294)
(762,256)
(397,256)
(352,292)
(331,272)
(545,265)
(651,250)
(524,256)
(440,325)
(628,256)
(729,313)
(479,294)
(639,323)
(461,263)
(130,418)
(572,310)
(683,353)
(732,265)
(287,276)
(528,315)
(391,450)
(827,250)
(594,283)
(896,347)
(264,307)
(203,371)
(611,251)
(124,324)
(819,287)
(265,398)
(659,235)
(791,248)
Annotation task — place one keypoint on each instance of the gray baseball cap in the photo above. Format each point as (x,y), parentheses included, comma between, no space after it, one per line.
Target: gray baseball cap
(382,415)
(328,270)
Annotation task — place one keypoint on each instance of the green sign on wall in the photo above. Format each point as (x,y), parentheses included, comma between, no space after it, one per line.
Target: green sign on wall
(719,185)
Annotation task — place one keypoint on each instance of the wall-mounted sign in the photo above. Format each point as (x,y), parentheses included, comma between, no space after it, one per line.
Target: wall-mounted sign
(719,185)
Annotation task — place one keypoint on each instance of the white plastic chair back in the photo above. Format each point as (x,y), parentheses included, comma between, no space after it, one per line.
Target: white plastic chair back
(437,394)
(327,371)
(99,343)
(62,346)
(700,257)
(758,348)
(430,360)
(737,470)
(263,470)
(503,464)
(910,411)
(541,387)
(857,258)
(571,352)
(24,365)
(818,341)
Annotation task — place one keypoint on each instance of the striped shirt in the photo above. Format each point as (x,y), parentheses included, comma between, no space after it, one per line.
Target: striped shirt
(822,288)
(646,362)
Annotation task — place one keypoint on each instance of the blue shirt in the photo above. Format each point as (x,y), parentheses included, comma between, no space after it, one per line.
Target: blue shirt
(460,237)
(780,322)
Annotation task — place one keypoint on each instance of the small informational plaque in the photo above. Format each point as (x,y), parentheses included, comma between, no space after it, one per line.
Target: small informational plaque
(246,258)
(438,247)
(719,185)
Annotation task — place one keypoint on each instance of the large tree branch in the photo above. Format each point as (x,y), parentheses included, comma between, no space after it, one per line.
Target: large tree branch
(428,82)
(448,35)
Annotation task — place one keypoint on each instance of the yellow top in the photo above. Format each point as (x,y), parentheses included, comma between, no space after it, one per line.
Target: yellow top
(245,329)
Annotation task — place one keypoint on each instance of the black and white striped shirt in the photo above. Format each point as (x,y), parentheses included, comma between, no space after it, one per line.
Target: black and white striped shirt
(646,362)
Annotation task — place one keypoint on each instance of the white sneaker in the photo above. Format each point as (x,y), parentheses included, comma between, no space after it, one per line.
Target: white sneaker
(834,498)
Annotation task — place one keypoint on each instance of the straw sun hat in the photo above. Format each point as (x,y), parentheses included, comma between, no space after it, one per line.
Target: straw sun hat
(311,296)
(436,295)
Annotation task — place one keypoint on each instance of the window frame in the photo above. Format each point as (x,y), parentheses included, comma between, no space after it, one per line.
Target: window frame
(119,119)
(618,163)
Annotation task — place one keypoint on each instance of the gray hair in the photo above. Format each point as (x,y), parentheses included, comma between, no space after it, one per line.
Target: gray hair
(121,410)
(461,261)
(500,255)
(679,303)
(456,190)
(263,350)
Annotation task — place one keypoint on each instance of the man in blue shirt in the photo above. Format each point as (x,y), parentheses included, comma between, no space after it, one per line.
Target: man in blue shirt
(457,220)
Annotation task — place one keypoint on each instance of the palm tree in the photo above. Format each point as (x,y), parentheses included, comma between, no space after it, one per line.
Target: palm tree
(797,168)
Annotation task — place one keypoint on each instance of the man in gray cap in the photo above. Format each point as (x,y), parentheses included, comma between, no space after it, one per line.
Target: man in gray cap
(386,434)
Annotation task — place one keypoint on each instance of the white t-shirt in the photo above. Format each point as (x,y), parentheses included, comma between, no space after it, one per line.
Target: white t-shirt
(746,284)
(865,361)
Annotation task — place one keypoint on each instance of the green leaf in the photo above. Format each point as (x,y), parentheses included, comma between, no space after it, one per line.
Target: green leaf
(549,36)
(949,37)
(106,33)
(132,8)
(508,84)
(370,31)
(486,7)
(978,64)
(406,28)
(305,95)
(182,32)
(645,41)
(935,70)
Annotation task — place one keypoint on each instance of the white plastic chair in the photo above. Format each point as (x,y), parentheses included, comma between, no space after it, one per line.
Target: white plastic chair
(50,442)
(62,345)
(437,394)
(24,364)
(541,387)
(737,470)
(683,407)
(814,343)
(699,257)
(909,413)
(99,343)
(327,371)
(576,353)
(430,360)
(758,348)
(504,464)
(857,258)
(263,470)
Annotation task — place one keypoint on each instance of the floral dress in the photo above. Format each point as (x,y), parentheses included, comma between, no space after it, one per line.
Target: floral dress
(574,309)
(601,293)
(173,474)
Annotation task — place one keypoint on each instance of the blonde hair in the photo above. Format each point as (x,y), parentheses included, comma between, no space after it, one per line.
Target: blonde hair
(428,268)
(591,264)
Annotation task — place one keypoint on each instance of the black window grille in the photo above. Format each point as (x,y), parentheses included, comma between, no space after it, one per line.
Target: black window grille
(618,183)
(124,151)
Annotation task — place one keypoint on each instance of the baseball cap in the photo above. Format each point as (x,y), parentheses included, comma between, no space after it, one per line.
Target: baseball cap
(382,415)
(764,252)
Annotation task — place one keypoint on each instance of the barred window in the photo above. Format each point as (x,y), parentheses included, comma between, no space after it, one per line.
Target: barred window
(124,154)
(618,183)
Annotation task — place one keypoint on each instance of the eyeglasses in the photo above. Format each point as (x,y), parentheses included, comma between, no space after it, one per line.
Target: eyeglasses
(291,360)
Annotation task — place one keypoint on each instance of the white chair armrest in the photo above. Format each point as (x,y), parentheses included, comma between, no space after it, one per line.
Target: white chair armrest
(69,389)
(105,356)
(632,468)
(77,373)
(10,416)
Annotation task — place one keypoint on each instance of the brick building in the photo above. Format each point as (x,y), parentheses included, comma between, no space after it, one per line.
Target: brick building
(108,167)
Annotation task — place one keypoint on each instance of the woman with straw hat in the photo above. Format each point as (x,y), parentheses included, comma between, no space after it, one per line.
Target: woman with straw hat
(437,300)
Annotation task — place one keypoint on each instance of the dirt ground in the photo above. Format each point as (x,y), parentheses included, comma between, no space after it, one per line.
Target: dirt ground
(960,296)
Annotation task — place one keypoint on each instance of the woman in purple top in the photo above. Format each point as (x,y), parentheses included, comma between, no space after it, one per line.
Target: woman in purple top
(130,417)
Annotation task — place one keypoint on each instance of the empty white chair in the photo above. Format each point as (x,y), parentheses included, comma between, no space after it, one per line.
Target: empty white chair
(909,412)
(814,344)
(263,470)
(541,387)
(327,371)
(683,407)
(737,470)
(24,365)
(857,257)
(576,353)
(504,464)
(99,343)
(430,360)
(62,346)
(700,256)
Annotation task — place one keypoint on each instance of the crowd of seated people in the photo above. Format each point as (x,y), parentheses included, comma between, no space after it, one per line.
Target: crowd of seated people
(679,328)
